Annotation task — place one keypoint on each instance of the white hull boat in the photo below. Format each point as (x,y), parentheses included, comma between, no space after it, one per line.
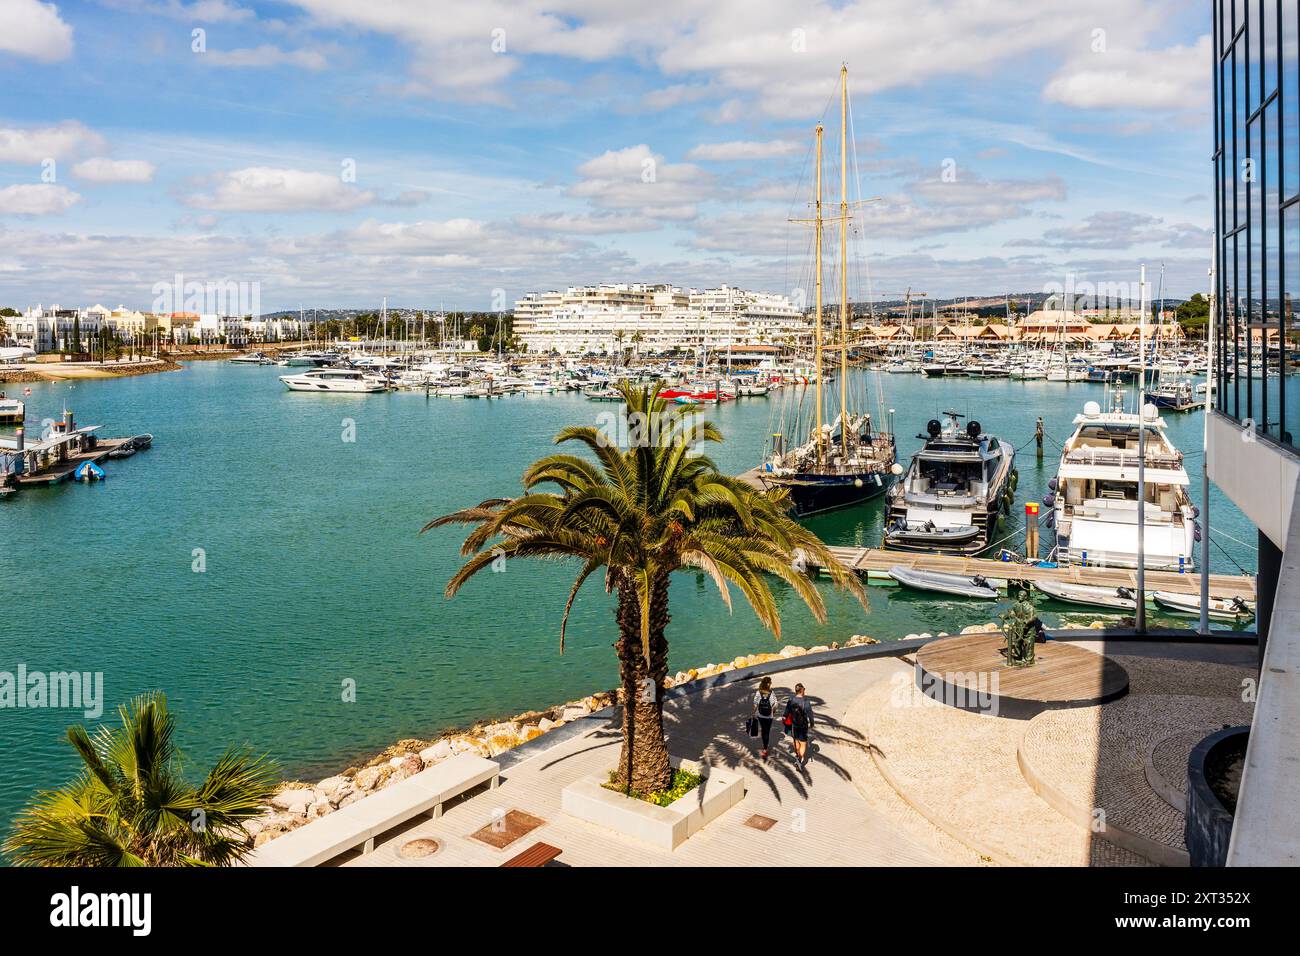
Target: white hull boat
(340,380)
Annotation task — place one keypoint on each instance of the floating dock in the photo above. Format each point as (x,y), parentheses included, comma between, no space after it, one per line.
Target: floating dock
(875,563)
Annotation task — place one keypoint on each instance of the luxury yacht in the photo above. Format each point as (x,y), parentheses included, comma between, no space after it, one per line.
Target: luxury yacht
(334,380)
(954,493)
(1094,496)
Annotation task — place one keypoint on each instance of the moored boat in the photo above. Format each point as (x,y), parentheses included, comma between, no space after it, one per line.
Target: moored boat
(1089,594)
(944,582)
(1220,609)
(955,491)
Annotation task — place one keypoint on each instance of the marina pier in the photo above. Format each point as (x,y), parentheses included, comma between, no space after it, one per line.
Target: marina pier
(874,564)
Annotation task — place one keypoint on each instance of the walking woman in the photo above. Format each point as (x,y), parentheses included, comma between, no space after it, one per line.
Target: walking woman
(764,710)
(799,721)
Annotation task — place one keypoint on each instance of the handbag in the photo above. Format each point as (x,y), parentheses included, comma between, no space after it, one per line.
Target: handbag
(751,726)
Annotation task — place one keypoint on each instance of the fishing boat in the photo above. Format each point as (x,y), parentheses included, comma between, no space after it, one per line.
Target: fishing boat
(846,461)
(1220,609)
(1089,594)
(1094,496)
(333,380)
(89,471)
(945,582)
(955,491)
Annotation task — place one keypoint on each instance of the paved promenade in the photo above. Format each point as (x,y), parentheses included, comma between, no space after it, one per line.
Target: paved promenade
(822,815)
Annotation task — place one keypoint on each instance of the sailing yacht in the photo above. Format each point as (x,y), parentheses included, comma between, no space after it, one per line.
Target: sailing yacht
(1094,495)
(846,461)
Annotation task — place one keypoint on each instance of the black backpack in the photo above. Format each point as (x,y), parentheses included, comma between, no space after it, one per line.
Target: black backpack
(798,716)
(765,705)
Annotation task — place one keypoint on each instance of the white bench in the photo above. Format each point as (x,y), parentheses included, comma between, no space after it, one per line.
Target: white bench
(359,823)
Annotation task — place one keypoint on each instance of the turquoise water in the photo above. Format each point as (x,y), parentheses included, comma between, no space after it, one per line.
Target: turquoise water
(316,575)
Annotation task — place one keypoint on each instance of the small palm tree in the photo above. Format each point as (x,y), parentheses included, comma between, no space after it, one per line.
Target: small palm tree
(640,513)
(131,805)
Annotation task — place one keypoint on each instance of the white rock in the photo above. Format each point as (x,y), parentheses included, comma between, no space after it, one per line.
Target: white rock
(329,785)
(367,778)
(296,800)
(574,712)
(319,809)
(439,751)
(546,724)
(397,776)
(507,728)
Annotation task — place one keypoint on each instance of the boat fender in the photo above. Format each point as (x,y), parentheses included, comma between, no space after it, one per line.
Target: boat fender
(1049,500)
(1126,593)
(1051,520)
(1052,484)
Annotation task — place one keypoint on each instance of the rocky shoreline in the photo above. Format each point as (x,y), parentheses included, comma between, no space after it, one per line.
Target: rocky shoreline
(297,802)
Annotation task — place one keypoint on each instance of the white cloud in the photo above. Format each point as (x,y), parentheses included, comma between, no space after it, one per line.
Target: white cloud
(33,29)
(101,169)
(264,189)
(35,145)
(636,178)
(1123,230)
(745,149)
(266,55)
(1174,78)
(586,225)
(36,200)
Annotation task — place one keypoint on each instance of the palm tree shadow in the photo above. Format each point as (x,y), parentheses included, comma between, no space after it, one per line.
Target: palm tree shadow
(709,726)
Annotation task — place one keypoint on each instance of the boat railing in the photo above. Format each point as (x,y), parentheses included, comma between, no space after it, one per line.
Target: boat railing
(1122,458)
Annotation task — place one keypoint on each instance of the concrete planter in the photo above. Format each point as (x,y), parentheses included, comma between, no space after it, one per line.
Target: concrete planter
(664,827)
(1207,826)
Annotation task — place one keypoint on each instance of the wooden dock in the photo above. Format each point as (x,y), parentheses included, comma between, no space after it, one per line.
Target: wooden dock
(63,470)
(876,562)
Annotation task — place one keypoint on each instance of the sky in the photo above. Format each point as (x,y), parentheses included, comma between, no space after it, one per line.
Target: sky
(462,153)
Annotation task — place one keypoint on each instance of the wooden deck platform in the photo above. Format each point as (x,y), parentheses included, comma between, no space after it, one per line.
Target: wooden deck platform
(878,561)
(64,469)
(969,671)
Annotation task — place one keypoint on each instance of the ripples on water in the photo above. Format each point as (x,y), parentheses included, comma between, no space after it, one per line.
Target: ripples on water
(316,574)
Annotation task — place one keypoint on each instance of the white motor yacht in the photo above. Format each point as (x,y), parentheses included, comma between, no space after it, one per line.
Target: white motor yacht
(334,380)
(1094,495)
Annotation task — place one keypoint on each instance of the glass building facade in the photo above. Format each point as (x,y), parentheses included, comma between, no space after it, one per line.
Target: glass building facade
(1257,213)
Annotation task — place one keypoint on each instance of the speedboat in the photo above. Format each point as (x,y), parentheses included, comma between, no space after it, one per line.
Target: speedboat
(1220,609)
(954,493)
(1094,494)
(333,380)
(1092,595)
(944,582)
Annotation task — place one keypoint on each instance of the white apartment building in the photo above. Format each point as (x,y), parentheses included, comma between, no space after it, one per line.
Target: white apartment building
(606,319)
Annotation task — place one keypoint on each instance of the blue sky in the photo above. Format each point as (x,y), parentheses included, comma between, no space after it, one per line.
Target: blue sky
(503,147)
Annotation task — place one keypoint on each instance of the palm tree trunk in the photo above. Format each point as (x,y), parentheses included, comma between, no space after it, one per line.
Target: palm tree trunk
(643,761)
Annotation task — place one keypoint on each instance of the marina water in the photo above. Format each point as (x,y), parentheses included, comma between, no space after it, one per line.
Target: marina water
(313,574)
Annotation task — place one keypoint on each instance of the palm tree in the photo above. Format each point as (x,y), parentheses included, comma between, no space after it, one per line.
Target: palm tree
(641,513)
(132,806)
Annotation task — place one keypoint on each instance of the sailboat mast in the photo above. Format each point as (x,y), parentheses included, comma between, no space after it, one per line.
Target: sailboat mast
(821,450)
(844,263)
